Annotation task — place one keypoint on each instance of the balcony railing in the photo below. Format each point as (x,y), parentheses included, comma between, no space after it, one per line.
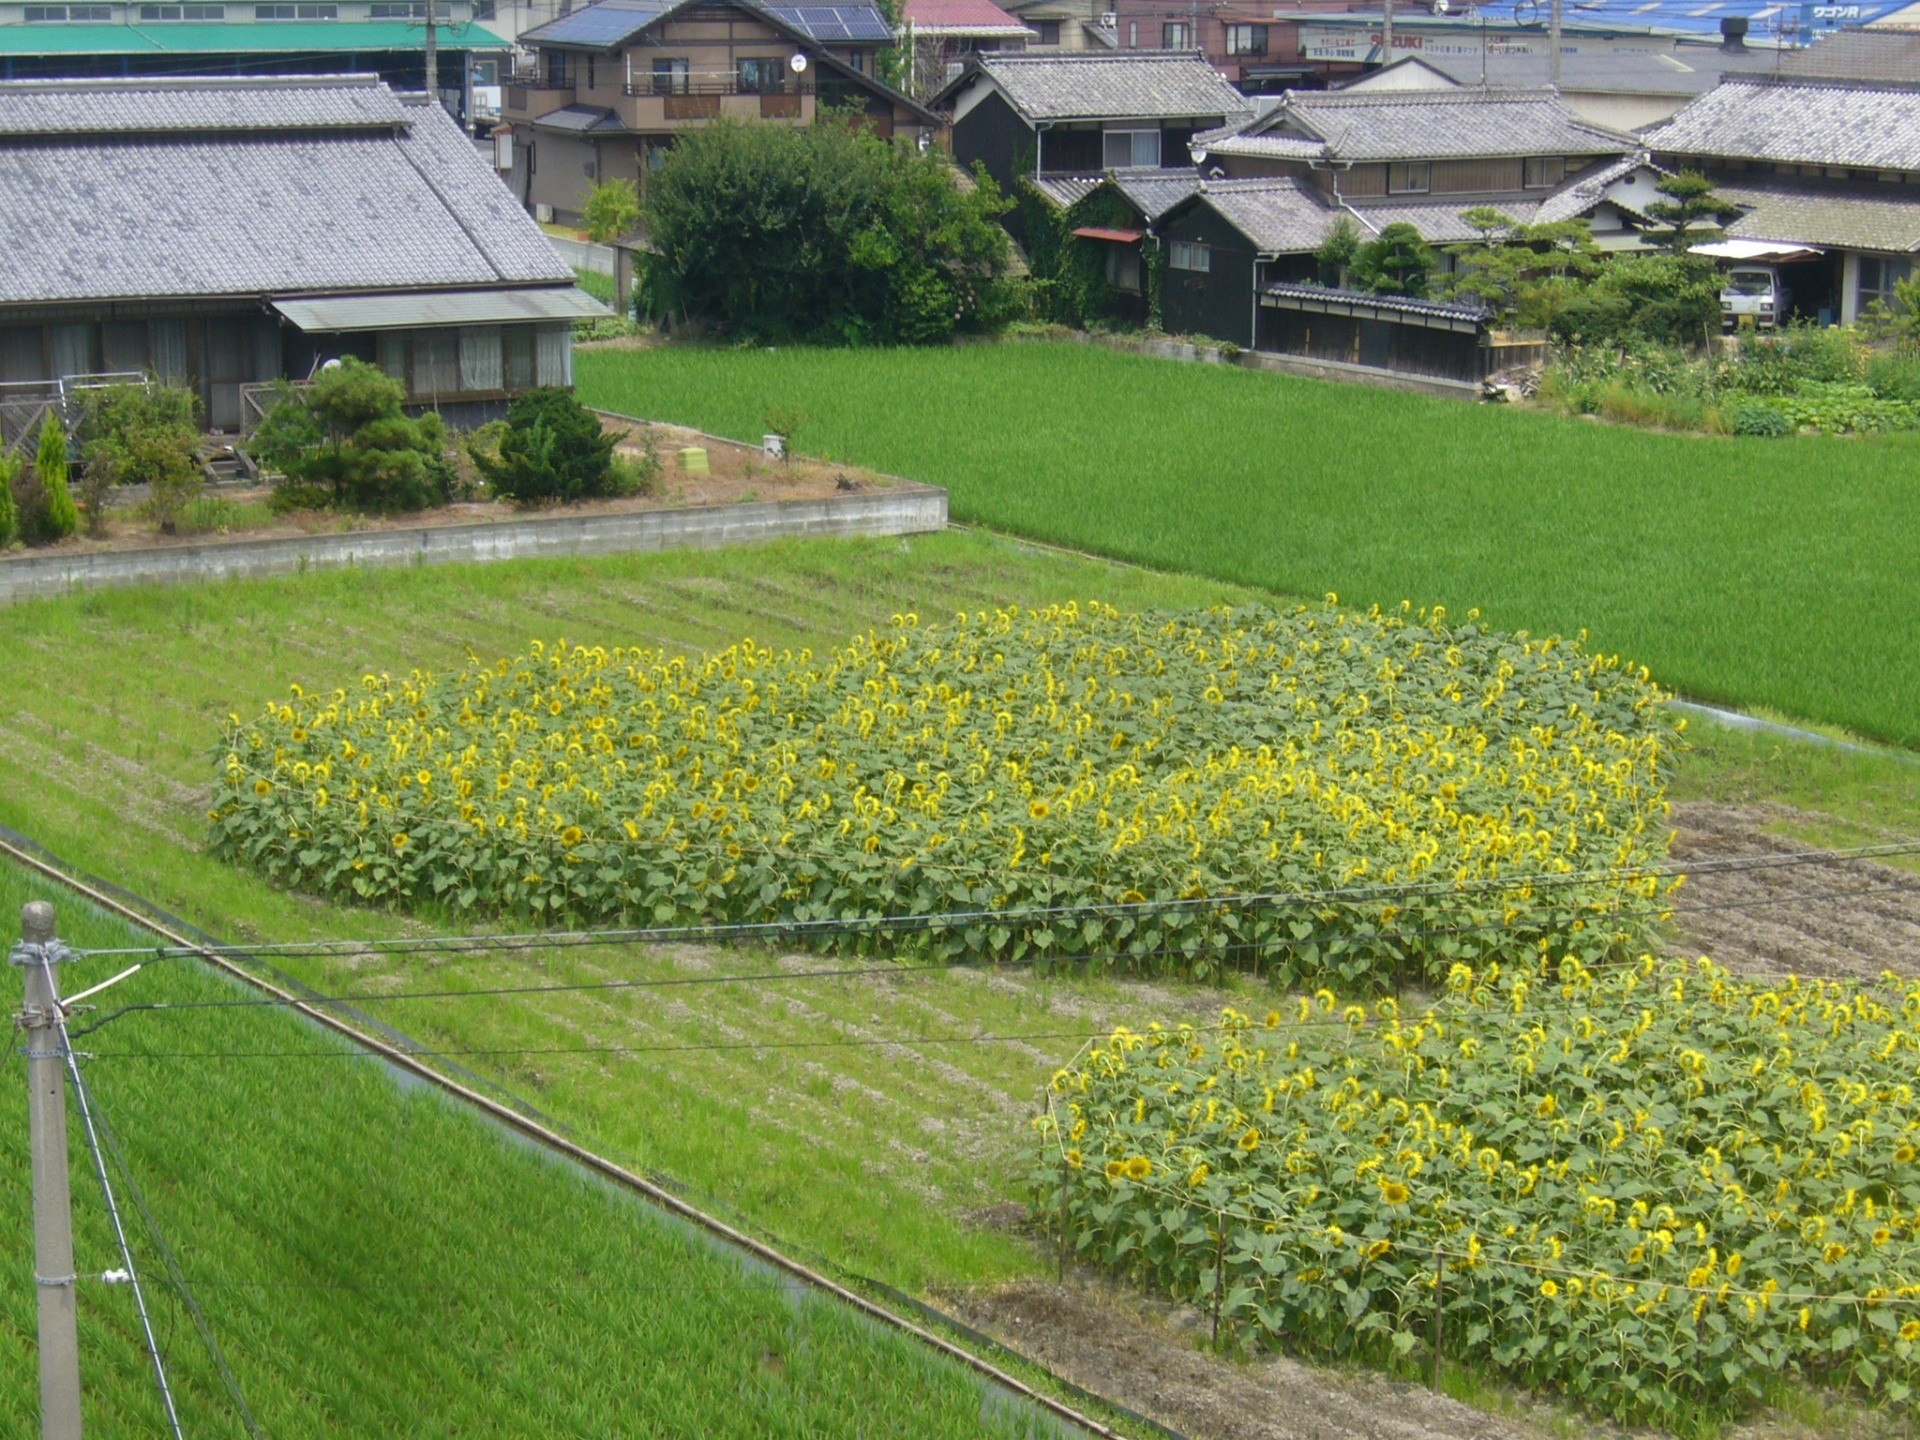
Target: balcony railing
(688,99)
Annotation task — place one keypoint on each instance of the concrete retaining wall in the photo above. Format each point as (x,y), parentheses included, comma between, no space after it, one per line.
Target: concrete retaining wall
(583,254)
(1280,364)
(905,509)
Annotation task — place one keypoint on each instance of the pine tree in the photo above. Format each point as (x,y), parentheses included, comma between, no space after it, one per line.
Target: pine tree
(50,464)
(1692,210)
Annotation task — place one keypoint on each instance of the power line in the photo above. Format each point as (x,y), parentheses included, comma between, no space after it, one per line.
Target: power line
(119,1230)
(955,919)
(1078,959)
(180,1281)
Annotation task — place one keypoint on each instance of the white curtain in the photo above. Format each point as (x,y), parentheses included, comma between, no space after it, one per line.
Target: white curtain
(554,355)
(169,339)
(72,350)
(480,360)
(436,362)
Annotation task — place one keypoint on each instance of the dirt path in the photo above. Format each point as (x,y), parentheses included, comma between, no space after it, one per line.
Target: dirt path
(1851,918)
(1854,917)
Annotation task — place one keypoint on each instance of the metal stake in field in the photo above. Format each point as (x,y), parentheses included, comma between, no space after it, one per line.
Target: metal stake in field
(37,954)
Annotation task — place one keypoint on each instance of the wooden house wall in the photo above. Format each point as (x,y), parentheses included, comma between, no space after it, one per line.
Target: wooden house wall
(1380,344)
(1219,302)
(993,134)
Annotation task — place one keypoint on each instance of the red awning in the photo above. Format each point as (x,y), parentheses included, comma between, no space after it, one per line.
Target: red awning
(1099,232)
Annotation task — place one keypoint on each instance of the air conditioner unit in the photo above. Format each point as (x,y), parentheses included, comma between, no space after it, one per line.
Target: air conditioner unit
(543,213)
(1110,20)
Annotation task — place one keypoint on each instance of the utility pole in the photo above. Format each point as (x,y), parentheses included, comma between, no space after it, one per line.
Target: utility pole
(1553,45)
(433,53)
(37,954)
(1386,34)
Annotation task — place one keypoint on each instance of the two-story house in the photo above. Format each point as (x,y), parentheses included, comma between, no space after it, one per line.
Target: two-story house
(1031,116)
(132,38)
(1824,165)
(613,84)
(1275,189)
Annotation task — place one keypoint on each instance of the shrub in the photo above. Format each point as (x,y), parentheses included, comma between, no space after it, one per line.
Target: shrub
(1003,761)
(59,516)
(347,432)
(1658,1185)
(9,507)
(1758,417)
(824,232)
(552,449)
(142,435)
(1396,262)
(1894,377)
(1793,355)
(613,209)
(1635,299)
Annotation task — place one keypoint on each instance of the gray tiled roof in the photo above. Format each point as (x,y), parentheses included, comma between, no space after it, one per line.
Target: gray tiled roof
(1364,125)
(1401,304)
(1151,192)
(105,107)
(1439,222)
(1580,194)
(1858,55)
(1686,69)
(1799,121)
(175,213)
(1849,217)
(1095,85)
(1281,216)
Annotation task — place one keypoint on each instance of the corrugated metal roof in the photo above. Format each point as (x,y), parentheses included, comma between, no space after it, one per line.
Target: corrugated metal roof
(186,213)
(961,17)
(1093,85)
(101,107)
(1868,124)
(329,37)
(577,120)
(328,314)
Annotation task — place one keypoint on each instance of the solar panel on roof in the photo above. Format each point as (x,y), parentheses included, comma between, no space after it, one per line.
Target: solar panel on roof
(604,24)
(834,22)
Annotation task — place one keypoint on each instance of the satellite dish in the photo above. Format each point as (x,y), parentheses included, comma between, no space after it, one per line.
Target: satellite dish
(798,63)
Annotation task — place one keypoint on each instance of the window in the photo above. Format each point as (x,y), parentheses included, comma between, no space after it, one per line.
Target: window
(1045,32)
(296,12)
(503,149)
(559,72)
(670,77)
(1131,150)
(75,14)
(553,355)
(1542,172)
(388,10)
(1123,269)
(483,9)
(486,72)
(481,365)
(1133,35)
(519,348)
(436,362)
(1411,177)
(1246,39)
(1176,35)
(766,76)
(590,77)
(390,350)
(1878,276)
(1185,255)
(152,13)
(857,61)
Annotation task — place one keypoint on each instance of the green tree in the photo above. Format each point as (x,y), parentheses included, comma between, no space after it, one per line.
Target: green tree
(613,210)
(142,435)
(1691,213)
(824,233)
(1396,262)
(62,517)
(1336,252)
(1511,268)
(347,434)
(553,448)
(9,508)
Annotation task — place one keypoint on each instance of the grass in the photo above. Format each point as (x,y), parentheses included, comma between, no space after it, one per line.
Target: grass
(377,1261)
(872,1154)
(599,286)
(1749,572)
(893,1155)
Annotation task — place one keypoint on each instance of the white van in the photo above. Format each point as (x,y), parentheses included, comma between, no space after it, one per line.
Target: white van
(1752,293)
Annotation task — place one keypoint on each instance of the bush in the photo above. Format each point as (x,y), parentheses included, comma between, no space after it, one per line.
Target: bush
(824,233)
(347,432)
(552,448)
(613,209)
(9,507)
(1635,299)
(142,435)
(59,516)
(1000,762)
(1894,377)
(1792,356)
(1397,262)
(1757,417)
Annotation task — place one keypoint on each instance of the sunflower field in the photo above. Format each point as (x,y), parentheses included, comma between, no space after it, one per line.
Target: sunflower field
(1653,1186)
(1321,792)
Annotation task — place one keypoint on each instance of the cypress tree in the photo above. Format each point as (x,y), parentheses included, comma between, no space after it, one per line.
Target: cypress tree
(63,517)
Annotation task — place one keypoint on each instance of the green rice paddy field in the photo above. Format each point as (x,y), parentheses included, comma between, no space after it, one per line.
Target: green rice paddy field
(376,1262)
(1776,574)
